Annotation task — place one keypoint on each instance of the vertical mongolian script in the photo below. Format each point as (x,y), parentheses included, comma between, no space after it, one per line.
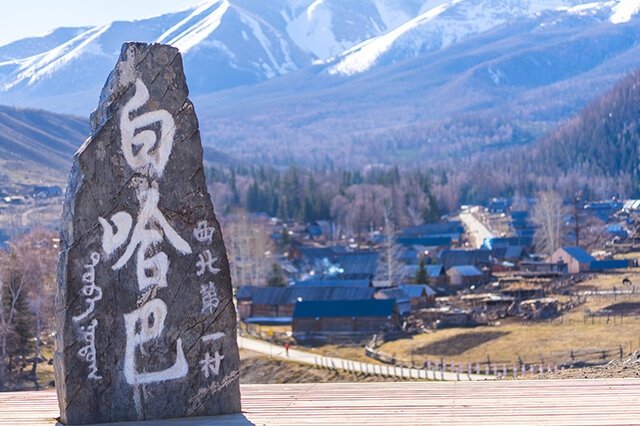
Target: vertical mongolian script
(92,294)
(146,149)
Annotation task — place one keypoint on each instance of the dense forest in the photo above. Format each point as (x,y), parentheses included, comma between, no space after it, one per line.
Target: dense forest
(595,153)
(352,199)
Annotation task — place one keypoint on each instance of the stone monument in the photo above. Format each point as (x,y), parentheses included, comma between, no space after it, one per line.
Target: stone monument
(146,325)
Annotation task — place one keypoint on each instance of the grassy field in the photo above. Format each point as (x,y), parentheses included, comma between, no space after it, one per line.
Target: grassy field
(534,342)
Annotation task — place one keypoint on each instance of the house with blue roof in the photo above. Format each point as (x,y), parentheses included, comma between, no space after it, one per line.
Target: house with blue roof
(436,273)
(463,276)
(403,300)
(421,295)
(576,258)
(478,258)
(324,318)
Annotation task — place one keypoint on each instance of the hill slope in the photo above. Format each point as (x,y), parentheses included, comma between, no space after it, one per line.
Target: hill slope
(597,153)
(39,143)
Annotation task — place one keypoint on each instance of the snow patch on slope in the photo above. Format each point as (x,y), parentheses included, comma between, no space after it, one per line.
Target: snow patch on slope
(624,11)
(312,30)
(392,13)
(36,67)
(193,34)
(363,56)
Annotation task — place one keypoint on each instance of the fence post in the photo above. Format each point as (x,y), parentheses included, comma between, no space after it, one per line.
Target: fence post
(504,370)
(515,370)
(477,368)
(486,370)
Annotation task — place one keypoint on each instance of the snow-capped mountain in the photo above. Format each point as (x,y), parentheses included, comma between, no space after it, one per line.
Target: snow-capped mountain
(334,74)
(225,43)
(449,22)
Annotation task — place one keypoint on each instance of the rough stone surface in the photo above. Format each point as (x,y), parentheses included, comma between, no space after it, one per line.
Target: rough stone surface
(146,326)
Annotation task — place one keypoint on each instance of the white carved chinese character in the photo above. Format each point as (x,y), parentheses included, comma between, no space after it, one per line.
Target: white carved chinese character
(149,229)
(210,300)
(203,233)
(142,325)
(145,148)
(209,364)
(206,261)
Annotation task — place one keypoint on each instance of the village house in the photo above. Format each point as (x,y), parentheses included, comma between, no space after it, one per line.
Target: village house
(478,258)
(403,300)
(436,273)
(542,269)
(312,319)
(576,258)
(421,295)
(464,276)
(256,303)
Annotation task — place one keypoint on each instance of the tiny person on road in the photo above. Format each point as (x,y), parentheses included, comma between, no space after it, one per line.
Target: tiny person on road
(287,346)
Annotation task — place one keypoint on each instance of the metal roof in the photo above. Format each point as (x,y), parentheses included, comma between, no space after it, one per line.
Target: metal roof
(344,308)
(416,290)
(579,254)
(291,295)
(333,283)
(245,292)
(434,270)
(449,258)
(467,270)
(393,293)
(608,264)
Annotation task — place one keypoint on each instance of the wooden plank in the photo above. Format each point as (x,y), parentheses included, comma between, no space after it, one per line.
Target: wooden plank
(604,401)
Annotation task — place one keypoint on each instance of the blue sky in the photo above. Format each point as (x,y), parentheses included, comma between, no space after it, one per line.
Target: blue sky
(24,18)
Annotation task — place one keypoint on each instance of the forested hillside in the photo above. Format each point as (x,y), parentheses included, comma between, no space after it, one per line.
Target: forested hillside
(595,152)
(352,199)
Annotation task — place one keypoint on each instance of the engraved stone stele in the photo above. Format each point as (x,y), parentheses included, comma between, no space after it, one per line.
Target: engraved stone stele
(146,326)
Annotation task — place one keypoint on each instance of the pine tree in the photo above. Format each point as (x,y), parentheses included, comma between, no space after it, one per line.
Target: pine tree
(422,275)
(276,277)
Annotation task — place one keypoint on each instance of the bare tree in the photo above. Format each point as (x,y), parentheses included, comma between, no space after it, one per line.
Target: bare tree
(38,252)
(27,270)
(549,215)
(250,250)
(389,267)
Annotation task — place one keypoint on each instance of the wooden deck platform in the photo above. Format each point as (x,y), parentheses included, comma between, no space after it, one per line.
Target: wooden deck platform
(606,401)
